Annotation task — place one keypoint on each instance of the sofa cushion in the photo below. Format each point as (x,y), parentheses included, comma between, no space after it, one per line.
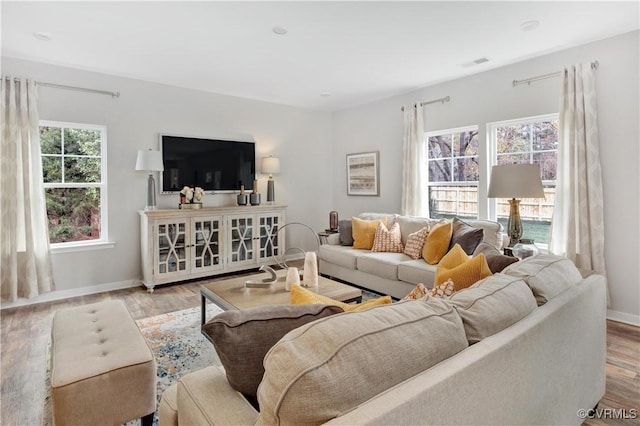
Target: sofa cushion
(387,240)
(383,265)
(493,304)
(302,296)
(417,271)
(324,369)
(462,269)
(492,231)
(437,243)
(346,232)
(364,232)
(467,236)
(415,243)
(548,275)
(242,338)
(496,260)
(411,224)
(340,255)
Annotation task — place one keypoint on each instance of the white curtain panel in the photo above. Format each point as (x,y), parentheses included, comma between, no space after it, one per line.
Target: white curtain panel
(577,230)
(412,163)
(25,261)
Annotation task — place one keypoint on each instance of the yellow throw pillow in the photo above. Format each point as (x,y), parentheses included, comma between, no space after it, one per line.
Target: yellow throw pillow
(302,296)
(364,232)
(437,243)
(461,268)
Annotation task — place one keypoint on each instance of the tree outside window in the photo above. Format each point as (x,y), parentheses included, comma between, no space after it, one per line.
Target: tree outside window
(75,185)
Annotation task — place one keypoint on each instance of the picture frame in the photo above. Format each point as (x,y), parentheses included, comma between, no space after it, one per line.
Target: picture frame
(363,173)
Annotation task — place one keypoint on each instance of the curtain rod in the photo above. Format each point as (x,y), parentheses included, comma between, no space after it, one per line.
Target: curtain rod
(594,66)
(76,88)
(443,100)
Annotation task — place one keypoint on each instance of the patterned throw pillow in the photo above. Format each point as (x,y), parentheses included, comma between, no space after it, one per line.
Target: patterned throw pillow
(415,243)
(441,291)
(387,240)
(419,292)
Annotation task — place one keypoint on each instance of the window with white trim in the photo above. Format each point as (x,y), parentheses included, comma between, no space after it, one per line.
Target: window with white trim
(452,157)
(74,174)
(531,140)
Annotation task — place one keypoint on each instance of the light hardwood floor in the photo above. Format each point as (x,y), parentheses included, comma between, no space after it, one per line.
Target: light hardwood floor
(25,335)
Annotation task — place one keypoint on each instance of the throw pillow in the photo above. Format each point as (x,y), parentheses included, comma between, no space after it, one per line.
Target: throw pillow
(496,260)
(437,243)
(387,240)
(419,292)
(415,243)
(301,296)
(242,338)
(461,268)
(364,231)
(466,235)
(441,291)
(346,232)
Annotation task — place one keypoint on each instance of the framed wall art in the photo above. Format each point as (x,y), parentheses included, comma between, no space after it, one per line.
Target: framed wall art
(363,173)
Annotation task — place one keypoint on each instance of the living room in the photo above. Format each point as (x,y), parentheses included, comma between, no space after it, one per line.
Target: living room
(313,141)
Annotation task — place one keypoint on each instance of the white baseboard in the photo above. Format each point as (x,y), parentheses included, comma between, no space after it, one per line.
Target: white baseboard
(623,317)
(73,292)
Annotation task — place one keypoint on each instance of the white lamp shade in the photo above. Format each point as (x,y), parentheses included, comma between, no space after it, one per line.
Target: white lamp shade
(270,165)
(516,181)
(149,161)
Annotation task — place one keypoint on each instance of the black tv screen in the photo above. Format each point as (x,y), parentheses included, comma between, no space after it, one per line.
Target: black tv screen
(211,164)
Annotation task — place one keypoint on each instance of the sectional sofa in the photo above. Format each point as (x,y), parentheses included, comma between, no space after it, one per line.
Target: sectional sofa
(524,346)
(395,274)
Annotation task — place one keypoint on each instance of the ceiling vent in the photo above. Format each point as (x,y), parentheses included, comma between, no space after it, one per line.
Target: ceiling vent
(474,62)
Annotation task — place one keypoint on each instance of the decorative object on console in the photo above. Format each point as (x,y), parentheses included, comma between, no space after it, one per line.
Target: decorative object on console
(191,198)
(242,197)
(293,277)
(150,161)
(254,197)
(511,181)
(270,165)
(363,173)
(265,282)
(525,248)
(310,273)
(333,220)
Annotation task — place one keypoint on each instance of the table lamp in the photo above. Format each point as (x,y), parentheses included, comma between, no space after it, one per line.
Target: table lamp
(515,181)
(150,161)
(270,165)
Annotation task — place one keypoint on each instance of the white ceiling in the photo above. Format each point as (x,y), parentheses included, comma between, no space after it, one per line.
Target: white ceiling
(356,51)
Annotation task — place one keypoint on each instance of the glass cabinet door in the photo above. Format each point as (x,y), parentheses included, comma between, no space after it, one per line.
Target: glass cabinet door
(172,247)
(268,227)
(206,244)
(240,244)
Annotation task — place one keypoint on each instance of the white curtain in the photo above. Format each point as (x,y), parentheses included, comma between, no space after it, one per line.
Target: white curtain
(25,261)
(414,200)
(577,230)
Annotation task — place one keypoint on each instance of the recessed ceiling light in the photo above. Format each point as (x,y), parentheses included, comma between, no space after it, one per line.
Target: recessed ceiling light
(279,30)
(325,94)
(40,35)
(529,25)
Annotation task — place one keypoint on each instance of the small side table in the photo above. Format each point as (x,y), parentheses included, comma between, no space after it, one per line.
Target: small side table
(324,235)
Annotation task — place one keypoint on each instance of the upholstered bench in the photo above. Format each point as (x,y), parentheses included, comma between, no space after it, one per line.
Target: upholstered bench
(102,370)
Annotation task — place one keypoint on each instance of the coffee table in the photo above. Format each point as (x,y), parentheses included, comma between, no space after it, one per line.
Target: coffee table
(232,294)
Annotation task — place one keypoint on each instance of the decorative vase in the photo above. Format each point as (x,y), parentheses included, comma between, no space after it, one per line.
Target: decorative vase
(254,197)
(242,197)
(333,220)
(310,278)
(525,248)
(293,277)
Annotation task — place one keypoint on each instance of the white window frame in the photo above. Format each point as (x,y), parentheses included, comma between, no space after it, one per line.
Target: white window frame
(453,183)
(103,241)
(492,154)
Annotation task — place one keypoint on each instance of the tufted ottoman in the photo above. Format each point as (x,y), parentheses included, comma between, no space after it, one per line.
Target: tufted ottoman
(102,371)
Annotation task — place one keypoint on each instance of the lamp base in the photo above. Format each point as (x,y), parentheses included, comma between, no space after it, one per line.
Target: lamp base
(151,193)
(514,225)
(271,192)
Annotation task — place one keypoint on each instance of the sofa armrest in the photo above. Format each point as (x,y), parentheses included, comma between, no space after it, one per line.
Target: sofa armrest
(206,398)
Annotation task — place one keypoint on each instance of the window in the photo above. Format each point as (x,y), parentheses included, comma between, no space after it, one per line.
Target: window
(452,157)
(74,174)
(530,140)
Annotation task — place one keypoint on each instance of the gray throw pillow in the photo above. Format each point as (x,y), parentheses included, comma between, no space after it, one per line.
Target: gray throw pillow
(466,235)
(346,232)
(496,260)
(243,338)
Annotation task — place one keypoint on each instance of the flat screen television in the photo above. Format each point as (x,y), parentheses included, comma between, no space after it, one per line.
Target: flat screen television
(212,164)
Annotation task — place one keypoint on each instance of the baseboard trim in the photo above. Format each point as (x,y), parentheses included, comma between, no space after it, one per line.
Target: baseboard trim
(623,317)
(72,292)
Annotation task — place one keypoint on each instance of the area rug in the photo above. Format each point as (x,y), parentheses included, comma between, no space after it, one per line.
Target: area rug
(177,344)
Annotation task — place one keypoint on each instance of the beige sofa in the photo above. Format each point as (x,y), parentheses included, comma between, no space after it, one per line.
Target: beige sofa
(395,274)
(526,346)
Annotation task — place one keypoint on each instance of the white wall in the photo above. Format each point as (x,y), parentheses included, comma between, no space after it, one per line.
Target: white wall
(488,97)
(301,138)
